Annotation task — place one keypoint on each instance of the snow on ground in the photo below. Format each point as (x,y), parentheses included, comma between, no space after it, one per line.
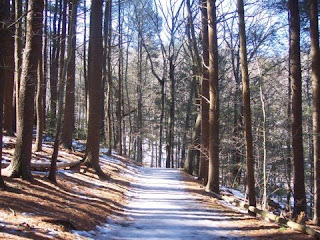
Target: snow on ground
(161,208)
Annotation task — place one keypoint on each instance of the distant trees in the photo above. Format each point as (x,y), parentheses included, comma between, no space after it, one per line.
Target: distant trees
(142,76)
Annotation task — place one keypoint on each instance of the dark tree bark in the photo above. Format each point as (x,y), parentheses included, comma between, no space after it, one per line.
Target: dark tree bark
(213,174)
(204,154)
(170,137)
(20,164)
(3,32)
(53,165)
(295,75)
(108,124)
(246,107)
(39,104)
(17,53)
(139,98)
(95,78)
(315,67)
(119,93)
(8,101)
(68,122)
(54,65)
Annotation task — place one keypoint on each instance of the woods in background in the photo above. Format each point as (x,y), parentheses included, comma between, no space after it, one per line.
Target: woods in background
(162,82)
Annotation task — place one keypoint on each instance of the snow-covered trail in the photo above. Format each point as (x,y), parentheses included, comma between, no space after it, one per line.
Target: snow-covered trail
(160,208)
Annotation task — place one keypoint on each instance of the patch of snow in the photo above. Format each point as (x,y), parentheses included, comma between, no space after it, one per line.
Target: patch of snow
(161,208)
(235,192)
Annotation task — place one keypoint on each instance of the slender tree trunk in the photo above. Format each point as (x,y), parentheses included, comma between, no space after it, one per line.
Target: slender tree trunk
(203,168)
(8,101)
(68,121)
(119,100)
(53,166)
(39,104)
(3,48)
(213,174)
(20,164)
(246,107)
(54,66)
(17,54)
(139,100)
(85,74)
(109,72)
(315,66)
(95,78)
(295,75)
(161,121)
(45,63)
(170,137)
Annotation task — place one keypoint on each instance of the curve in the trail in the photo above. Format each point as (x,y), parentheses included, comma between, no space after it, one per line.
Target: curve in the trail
(160,208)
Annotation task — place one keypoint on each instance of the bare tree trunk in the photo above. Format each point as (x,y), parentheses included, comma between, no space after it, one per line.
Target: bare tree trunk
(95,78)
(108,100)
(315,65)
(39,105)
(17,54)
(68,121)
(45,64)
(204,154)
(295,75)
(54,66)
(3,41)
(170,138)
(20,164)
(161,121)
(213,173)
(246,107)
(119,100)
(139,100)
(8,101)
(53,166)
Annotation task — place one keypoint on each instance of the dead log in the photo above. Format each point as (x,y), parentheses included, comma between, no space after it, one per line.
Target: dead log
(286,222)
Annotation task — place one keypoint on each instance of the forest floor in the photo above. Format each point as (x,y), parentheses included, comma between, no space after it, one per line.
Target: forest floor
(137,203)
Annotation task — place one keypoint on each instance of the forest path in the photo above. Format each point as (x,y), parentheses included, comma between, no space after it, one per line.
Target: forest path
(160,207)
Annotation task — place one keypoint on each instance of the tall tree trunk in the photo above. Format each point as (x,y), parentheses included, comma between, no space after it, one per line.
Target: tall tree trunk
(109,73)
(161,121)
(39,104)
(246,107)
(119,100)
(139,100)
(54,63)
(213,173)
(95,78)
(68,121)
(3,41)
(315,67)
(203,168)
(8,101)
(169,147)
(45,63)
(20,164)
(17,53)
(295,75)
(53,166)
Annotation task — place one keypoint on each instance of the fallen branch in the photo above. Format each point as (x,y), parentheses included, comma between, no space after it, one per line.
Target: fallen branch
(46,166)
(291,224)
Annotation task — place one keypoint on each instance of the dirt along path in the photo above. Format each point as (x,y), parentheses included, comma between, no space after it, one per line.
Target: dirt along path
(161,206)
